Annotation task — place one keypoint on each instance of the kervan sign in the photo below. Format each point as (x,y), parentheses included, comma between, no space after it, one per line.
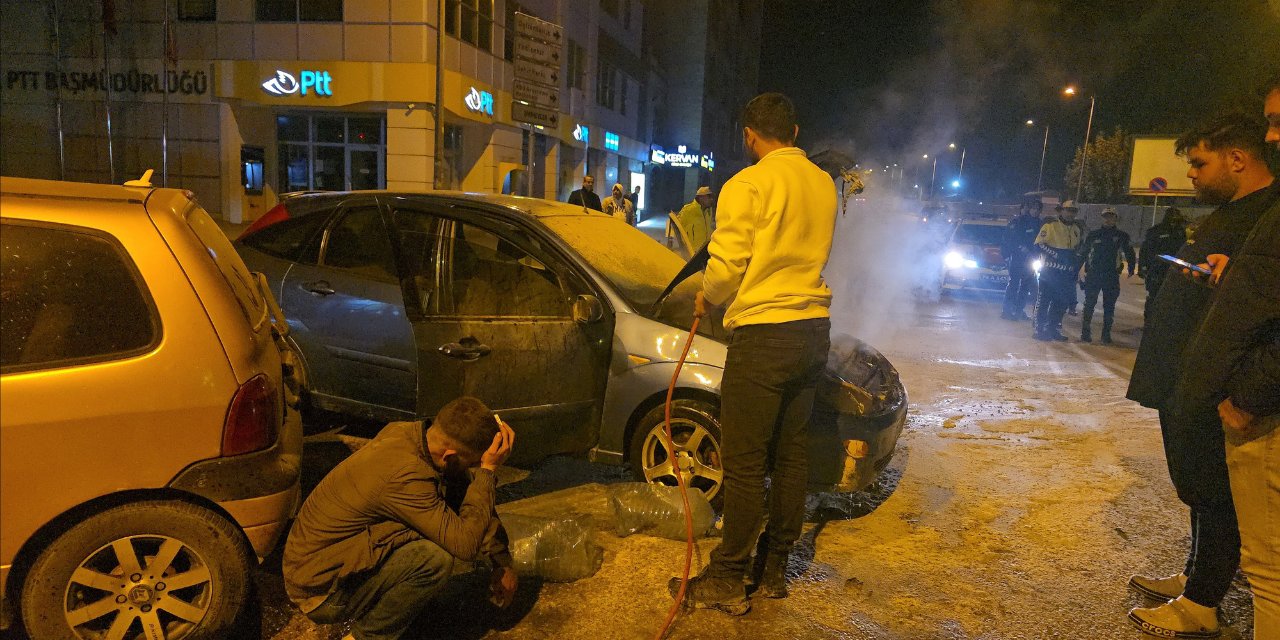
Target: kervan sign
(312,82)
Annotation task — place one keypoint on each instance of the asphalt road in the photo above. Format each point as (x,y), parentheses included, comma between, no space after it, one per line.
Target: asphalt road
(1024,493)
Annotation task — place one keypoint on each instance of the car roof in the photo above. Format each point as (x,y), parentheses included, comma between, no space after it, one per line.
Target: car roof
(73,190)
(536,207)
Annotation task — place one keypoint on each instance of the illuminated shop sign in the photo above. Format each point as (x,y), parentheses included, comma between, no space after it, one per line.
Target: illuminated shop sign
(657,155)
(611,140)
(581,133)
(284,84)
(479,101)
(708,162)
(684,158)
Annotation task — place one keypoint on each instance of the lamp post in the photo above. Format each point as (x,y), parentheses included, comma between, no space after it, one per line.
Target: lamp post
(1084,154)
(1043,151)
(952,147)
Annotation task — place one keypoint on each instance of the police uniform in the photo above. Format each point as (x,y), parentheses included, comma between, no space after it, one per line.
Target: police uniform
(1019,252)
(1102,253)
(1057,241)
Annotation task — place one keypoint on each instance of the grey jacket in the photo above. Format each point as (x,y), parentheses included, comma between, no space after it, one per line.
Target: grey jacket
(383,496)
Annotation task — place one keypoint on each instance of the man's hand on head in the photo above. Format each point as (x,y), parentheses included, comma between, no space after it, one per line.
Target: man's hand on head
(497,453)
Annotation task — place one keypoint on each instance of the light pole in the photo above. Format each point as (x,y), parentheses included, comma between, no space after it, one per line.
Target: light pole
(933,175)
(1043,151)
(952,147)
(1084,154)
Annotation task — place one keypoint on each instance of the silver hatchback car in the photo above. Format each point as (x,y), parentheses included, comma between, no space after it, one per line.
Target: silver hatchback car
(400,302)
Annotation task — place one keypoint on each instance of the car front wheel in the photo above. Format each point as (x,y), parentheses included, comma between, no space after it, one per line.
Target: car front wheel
(695,432)
(154,569)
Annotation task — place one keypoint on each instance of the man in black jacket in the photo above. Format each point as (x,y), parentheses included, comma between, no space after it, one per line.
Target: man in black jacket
(1102,253)
(1227,167)
(586,196)
(1163,239)
(1019,252)
(1237,356)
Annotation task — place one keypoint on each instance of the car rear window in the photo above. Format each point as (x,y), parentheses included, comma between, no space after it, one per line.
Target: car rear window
(229,264)
(287,238)
(980,234)
(70,296)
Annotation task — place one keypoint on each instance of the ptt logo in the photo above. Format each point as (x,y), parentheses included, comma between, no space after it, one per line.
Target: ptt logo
(479,101)
(284,84)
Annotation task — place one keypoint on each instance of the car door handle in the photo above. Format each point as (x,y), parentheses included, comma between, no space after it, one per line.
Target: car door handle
(467,349)
(319,287)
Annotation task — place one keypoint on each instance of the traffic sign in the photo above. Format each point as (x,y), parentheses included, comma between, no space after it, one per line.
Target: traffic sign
(533,28)
(532,71)
(537,94)
(530,114)
(1158,184)
(537,51)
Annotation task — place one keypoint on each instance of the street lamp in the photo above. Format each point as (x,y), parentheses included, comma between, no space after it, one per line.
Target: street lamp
(1084,155)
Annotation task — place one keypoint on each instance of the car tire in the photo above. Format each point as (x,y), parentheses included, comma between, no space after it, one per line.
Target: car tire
(690,419)
(80,588)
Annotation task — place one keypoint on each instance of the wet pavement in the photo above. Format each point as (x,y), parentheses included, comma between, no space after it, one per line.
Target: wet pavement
(1024,492)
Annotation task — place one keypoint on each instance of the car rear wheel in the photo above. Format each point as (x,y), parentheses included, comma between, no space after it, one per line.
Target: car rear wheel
(695,432)
(155,569)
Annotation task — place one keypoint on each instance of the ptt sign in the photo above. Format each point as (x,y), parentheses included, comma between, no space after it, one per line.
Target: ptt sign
(479,101)
(312,82)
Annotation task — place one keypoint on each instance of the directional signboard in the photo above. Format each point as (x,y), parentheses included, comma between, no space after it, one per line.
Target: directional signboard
(538,54)
(536,94)
(530,114)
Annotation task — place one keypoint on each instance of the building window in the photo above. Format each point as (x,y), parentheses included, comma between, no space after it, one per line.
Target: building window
(330,152)
(198,10)
(606,85)
(622,99)
(509,34)
(251,160)
(470,21)
(299,10)
(577,65)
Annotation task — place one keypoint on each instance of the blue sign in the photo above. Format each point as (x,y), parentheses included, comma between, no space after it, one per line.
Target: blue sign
(1158,184)
(284,84)
(479,101)
(657,155)
(611,140)
(581,133)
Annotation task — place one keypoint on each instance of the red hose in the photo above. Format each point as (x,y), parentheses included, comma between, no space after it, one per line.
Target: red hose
(684,493)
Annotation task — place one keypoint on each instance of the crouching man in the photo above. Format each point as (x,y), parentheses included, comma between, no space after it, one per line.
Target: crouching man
(379,536)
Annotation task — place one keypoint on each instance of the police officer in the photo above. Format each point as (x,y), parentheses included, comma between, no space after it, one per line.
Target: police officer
(1101,254)
(1165,238)
(1057,241)
(1019,252)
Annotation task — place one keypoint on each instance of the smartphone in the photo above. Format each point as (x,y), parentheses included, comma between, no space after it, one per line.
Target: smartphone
(1186,265)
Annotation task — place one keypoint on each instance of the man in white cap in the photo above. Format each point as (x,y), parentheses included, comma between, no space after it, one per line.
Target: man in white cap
(618,206)
(695,219)
(1103,253)
(1058,240)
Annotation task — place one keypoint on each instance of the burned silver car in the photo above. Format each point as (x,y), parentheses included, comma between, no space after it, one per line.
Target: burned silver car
(400,302)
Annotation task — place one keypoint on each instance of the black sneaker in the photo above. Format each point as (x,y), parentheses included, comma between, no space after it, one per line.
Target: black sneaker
(773,579)
(1059,337)
(1086,336)
(705,592)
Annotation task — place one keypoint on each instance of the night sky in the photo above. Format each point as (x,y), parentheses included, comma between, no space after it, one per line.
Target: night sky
(887,82)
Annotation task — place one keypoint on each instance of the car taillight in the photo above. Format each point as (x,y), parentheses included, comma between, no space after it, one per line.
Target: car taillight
(276,214)
(253,421)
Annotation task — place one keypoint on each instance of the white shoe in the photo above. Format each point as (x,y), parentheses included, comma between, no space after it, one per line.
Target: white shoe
(1164,589)
(1179,618)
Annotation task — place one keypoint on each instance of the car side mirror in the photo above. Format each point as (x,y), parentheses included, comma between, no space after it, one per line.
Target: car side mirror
(587,309)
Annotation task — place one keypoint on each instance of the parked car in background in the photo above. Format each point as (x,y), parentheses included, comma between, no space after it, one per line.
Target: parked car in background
(972,258)
(146,453)
(400,302)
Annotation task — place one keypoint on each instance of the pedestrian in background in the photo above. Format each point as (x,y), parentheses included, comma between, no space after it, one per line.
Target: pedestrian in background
(1236,353)
(1075,293)
(1162,239)
(1019,253)
(1227,158)
(696,218)
(618,206)
(381,533)
(1105,252)
(1057,242)
(634,197)
(774,227)
(586,196)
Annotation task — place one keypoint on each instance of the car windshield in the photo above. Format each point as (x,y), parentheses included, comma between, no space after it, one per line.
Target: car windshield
(979,234)
(637,266)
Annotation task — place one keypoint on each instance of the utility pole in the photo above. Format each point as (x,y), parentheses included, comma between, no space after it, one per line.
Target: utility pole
(1043,150)
(1084,154)
(439,108)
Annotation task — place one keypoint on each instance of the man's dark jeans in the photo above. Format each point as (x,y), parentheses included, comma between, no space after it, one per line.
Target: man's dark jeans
(1195,449)
(1110,290)
(1057,292)
(383,603)
(771,374)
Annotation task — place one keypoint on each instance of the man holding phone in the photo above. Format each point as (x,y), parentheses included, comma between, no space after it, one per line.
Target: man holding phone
(1227,159)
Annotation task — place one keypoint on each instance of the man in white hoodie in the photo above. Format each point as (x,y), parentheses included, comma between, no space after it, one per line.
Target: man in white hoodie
(772,240)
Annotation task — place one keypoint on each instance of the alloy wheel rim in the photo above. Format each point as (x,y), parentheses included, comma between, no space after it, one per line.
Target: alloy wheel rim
(146,586)
(697,454)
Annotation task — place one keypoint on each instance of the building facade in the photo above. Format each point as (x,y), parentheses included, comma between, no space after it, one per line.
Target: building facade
(241,100)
